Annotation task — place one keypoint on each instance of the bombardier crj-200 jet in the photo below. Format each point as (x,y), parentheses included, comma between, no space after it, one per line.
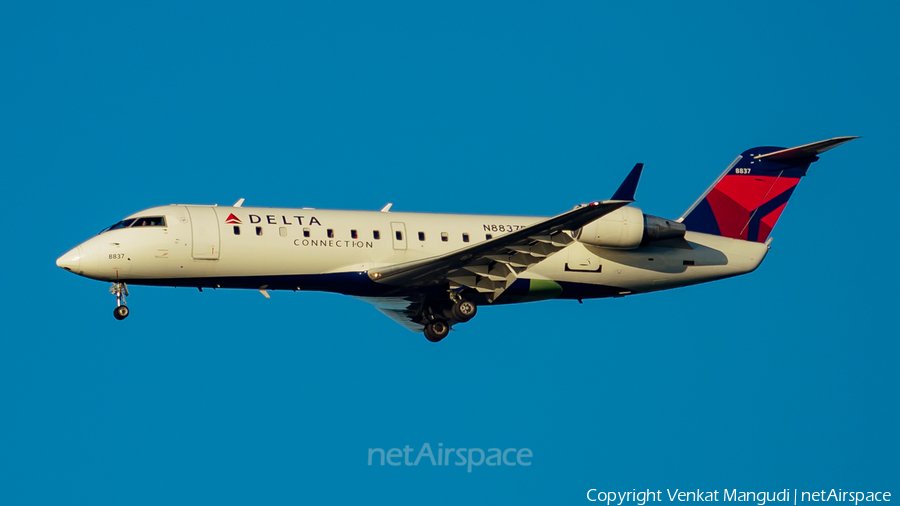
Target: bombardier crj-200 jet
(431,271)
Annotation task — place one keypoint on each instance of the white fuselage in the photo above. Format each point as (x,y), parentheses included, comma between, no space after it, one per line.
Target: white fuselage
(312,249)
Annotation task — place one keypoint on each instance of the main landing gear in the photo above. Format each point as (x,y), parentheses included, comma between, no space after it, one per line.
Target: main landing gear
(437,327)
(464,310)
(120,290)
(436,330)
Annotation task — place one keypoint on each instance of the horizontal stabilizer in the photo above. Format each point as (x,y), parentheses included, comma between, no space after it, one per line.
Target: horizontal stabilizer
(804,152)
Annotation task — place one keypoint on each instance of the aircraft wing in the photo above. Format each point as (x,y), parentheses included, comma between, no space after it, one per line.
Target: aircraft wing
(402,310)
(491,267)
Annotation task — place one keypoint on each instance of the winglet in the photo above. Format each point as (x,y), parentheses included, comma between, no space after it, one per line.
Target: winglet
(629,186)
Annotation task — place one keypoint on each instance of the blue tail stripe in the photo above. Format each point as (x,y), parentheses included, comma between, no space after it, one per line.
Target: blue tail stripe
(764,210)
(702,219)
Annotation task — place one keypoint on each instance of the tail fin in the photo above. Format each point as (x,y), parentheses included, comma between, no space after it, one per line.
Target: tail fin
(747,199)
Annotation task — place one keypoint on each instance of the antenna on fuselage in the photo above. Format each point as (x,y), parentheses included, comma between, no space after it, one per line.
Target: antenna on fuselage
(239,202)
(387,207)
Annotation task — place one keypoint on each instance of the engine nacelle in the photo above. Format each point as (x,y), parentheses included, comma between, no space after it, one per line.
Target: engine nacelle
(620,229)
(660,229)
(628,228)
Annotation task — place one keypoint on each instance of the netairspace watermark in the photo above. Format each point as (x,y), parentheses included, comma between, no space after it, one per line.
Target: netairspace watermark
(468,457)
(734,495)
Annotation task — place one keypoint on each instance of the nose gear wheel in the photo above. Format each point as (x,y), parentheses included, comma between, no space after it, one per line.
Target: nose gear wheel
(120,290)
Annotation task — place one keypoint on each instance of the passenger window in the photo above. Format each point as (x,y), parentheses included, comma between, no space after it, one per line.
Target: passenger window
(465,237)
(376,234)
(445,237)
(488,236)
(282,231)
(258,230)
(305,232)
(399,235)
(237,230)
(330,233)
(353,234)
(421,236)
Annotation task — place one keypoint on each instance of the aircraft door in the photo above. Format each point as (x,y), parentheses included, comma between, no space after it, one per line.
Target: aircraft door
(398,235)
(581,259)
(204,233)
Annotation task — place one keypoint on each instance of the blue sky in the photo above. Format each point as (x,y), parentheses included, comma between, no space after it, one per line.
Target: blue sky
(785,378)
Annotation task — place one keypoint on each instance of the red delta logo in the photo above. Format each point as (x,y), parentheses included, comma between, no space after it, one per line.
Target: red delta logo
(271,220)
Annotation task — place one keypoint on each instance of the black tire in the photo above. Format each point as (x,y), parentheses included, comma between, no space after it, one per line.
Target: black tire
(436,330)
(121,312)
(464,310)
(430,335)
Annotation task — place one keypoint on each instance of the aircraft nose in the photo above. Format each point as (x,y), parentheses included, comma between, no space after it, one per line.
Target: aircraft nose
(71,260)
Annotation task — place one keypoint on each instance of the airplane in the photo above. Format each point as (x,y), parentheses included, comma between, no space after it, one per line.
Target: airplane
(430,272)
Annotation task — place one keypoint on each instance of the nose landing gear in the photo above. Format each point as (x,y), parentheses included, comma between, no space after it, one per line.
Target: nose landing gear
(121,312)
(120,290)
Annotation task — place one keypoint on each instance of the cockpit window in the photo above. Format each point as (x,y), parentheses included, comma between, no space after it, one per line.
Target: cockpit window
(144,221)
(150,221)
(121,224)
